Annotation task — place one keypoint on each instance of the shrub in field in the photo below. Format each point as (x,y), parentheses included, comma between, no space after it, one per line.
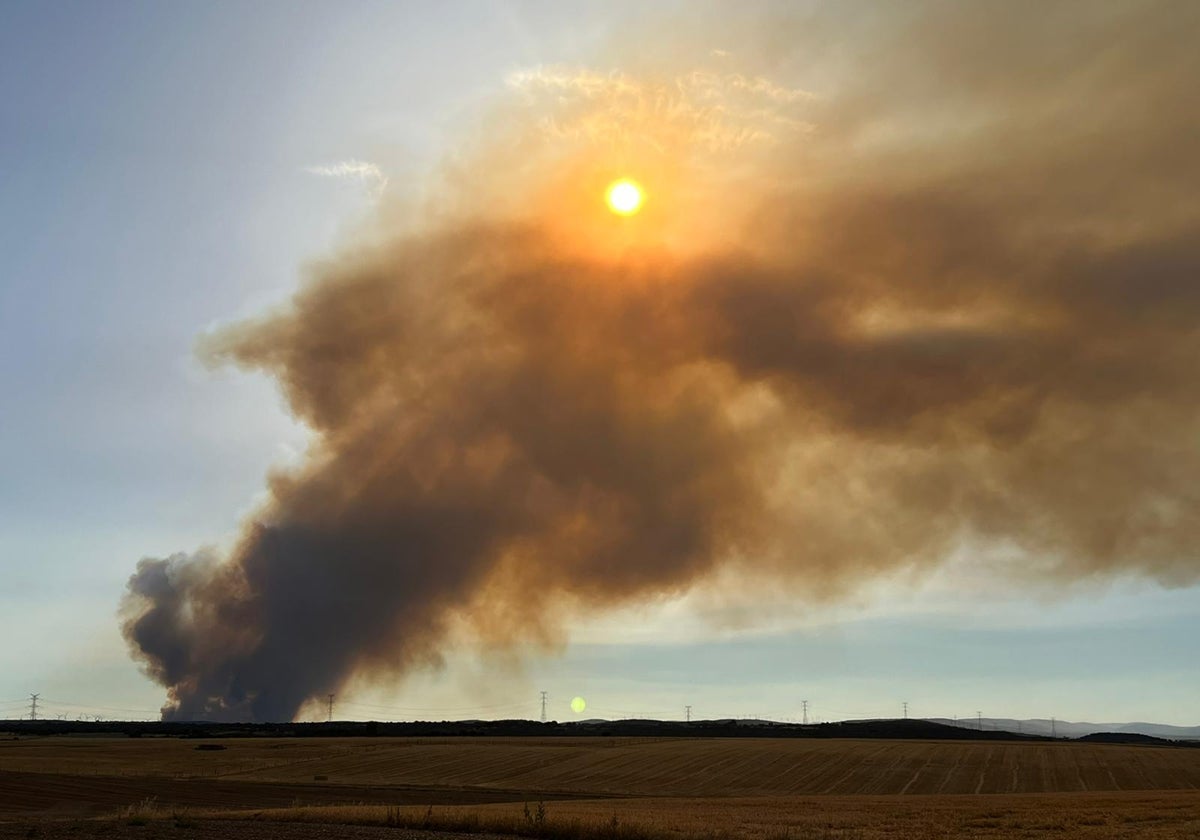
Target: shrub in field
(140,813)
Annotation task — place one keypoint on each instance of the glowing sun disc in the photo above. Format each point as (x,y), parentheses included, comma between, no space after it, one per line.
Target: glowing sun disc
(624,197)
(578,705)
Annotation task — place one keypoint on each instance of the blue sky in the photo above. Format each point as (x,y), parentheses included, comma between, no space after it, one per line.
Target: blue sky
(154,181)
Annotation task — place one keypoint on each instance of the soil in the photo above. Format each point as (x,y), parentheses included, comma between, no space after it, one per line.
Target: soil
(217,830)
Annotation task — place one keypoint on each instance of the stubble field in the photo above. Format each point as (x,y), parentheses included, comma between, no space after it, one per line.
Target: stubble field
(764,788)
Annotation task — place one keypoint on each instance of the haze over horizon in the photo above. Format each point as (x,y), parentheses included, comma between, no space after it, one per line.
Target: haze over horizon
(885,394)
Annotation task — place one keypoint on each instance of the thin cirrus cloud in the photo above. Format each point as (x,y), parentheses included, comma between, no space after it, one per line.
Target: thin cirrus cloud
(719,111)
(366,173)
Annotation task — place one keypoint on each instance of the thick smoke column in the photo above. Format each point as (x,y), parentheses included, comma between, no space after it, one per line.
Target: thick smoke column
(938,287)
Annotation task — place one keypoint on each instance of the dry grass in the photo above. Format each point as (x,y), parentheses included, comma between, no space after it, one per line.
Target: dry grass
(166,757)
(680,789)
(642,767)
(1154,816)
(150,809)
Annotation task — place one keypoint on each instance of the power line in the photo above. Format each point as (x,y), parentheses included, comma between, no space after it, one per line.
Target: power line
(405,709)
(53,702)
(641,714)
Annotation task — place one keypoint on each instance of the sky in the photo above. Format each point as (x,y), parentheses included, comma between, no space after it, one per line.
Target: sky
(169,170)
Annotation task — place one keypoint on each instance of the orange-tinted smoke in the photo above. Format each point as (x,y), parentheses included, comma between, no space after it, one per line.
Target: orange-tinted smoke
(913,280)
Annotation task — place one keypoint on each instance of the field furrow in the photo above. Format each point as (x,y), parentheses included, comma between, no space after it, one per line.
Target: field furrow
(642,767)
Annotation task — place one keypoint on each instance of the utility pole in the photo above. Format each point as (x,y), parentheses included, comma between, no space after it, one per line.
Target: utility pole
(979,716)
(804,706)
(1053,728)
(543,706)
(330,718)
(33,698)
(906,710)
(688,713)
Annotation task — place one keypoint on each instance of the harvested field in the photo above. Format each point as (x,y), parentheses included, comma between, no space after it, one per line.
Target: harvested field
(654,789)
(214,830)
(639,767)
(28,794)
(1169,816)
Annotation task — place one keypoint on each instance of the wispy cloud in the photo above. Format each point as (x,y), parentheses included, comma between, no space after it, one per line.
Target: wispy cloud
(718,111)
(362,171)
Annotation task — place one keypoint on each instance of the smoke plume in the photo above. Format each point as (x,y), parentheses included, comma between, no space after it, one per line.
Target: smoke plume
(908,278)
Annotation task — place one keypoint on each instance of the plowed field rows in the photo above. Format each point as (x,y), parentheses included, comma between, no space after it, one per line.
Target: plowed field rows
(643,767)
(1161,815)
(30,794)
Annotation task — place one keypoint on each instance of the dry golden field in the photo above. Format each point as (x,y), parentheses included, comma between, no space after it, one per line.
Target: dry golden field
(638,767)
(1158,815)
(758,788)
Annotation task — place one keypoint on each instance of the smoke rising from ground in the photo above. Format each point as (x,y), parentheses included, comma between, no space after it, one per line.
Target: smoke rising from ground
(911,280)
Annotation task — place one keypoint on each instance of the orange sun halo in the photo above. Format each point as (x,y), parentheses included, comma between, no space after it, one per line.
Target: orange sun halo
(624,197)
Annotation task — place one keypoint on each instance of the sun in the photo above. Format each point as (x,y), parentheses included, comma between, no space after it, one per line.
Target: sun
(624,197)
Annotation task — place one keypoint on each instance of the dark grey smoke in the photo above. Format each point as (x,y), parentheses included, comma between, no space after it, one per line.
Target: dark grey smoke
(962,308)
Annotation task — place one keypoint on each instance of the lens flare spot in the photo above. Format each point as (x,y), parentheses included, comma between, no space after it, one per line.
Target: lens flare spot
(624,197)
(578,705)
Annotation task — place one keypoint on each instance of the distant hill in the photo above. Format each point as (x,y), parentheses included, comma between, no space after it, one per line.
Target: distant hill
(1125,738)
(727,728)
(914,729)
(1072,729)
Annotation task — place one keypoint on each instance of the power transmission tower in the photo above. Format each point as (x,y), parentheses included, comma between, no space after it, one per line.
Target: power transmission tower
(804,707)
(906,710)
(688,713)
(543,706)
(33,698)
(330,719)
(1053,728)
(979,716)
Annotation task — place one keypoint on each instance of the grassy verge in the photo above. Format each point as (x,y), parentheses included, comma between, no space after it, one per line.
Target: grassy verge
(534,821)
(149,809)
